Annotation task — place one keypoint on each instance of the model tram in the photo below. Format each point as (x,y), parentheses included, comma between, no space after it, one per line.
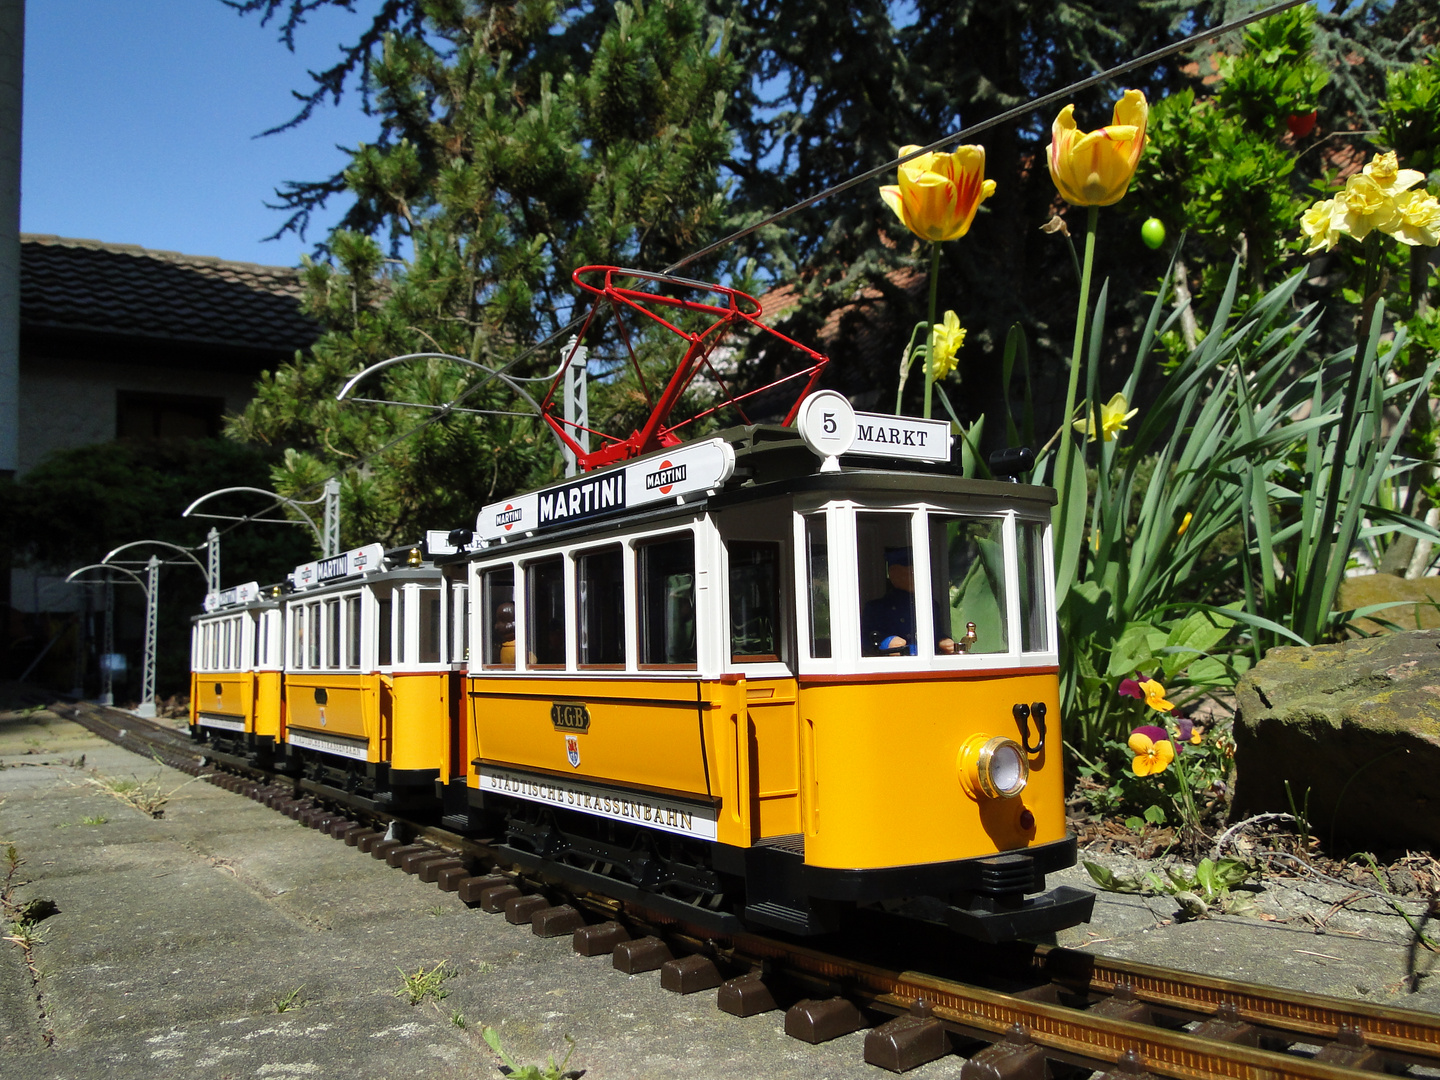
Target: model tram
(760,678)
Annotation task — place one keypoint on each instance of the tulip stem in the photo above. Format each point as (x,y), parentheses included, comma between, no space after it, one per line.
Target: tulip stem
(930,334)
(1067,442)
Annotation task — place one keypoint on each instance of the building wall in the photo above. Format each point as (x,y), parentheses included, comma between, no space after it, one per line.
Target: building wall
(66,403)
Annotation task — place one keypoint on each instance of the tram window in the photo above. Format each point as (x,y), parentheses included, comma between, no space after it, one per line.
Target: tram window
(459,624)
(297,640)
(430,610)
(497,631)
(1034,620)
(332,633)
(352,631)
(262,639)
(600,602)
(817,566)
(312,612)
(384,632)
(967,564)
(401,636)
(237,653)
(545,612)
(667,602)
(225,649)
(754,602)
(886,568)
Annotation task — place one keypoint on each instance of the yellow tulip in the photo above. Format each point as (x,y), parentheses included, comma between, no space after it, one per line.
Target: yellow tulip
(1095,168)
(945,341)
(938,194)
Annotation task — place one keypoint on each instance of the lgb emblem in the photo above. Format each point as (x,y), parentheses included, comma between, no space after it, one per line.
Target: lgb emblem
(570,716)
(572,750)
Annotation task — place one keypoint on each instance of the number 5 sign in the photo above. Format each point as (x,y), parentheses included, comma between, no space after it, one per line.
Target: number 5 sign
(827,424)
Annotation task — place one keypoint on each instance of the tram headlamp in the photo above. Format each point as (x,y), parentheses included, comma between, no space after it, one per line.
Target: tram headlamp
(996,768)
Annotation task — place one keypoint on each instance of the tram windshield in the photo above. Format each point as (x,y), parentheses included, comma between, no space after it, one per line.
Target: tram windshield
(942,583)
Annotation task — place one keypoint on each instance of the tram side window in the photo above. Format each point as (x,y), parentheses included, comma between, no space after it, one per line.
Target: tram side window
(225,649)
(817,568)
(430,611)
(459,624)
(384,632)
(498,628)
(332,633)
(297,640)
(545,612)
(667,602)
(600,599)
(754,602)
(967,565)
(1034,619)
(312,616)
(237,654)
(352,631)
(401,634)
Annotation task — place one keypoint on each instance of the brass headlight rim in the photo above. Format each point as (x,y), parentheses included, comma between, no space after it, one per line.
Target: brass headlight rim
(983,762)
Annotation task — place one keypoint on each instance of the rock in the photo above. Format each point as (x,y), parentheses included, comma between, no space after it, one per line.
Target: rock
(1420,609)
(1357,726)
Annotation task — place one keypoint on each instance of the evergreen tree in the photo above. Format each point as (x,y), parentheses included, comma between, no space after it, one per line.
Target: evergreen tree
(520,141)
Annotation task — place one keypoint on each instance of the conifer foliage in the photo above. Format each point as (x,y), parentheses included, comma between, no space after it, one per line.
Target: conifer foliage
(518,142)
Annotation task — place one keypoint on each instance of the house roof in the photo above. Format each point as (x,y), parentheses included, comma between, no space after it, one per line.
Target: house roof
(122,301)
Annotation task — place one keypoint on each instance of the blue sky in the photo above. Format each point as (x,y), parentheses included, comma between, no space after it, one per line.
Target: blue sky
(140,117)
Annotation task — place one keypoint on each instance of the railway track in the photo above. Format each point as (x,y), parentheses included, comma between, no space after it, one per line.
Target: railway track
(1019,1012)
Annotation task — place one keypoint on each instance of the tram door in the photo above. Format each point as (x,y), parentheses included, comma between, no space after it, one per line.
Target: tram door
(759,647)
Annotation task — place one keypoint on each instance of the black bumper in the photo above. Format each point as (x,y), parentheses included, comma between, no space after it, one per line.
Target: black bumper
(1011,873)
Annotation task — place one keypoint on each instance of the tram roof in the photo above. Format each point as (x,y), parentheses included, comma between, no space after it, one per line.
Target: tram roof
(763,461)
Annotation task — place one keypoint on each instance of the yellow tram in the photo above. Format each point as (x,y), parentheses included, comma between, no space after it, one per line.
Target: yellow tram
(683,683)
(370,687)
(236,671)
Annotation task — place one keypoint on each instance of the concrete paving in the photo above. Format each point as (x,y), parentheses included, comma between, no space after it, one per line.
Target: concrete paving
(225,940)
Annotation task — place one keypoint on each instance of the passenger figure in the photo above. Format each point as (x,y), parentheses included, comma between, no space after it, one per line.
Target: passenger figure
(887,624)
(505,631)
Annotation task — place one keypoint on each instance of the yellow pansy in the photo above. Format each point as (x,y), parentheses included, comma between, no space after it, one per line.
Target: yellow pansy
(1095,168)
(938,194)
(946,338)
(1151,755)
(1155,696)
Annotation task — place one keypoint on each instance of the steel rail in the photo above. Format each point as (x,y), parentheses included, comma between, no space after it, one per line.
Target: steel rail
(1075,1035)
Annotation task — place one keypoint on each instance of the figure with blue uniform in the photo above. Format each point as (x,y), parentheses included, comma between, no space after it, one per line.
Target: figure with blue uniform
(887,623)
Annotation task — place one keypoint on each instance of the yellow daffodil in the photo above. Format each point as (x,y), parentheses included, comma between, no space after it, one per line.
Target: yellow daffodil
(1419,219)
(1155,696)
(938,194)
(1376,198)
(1152,756)
(1095,168)
(946,338)
(1184,524)
(1113,416)
(1385,170)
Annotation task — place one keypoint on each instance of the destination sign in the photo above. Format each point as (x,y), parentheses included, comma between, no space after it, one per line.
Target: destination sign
(365,560)
(673,473)
(882,435)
